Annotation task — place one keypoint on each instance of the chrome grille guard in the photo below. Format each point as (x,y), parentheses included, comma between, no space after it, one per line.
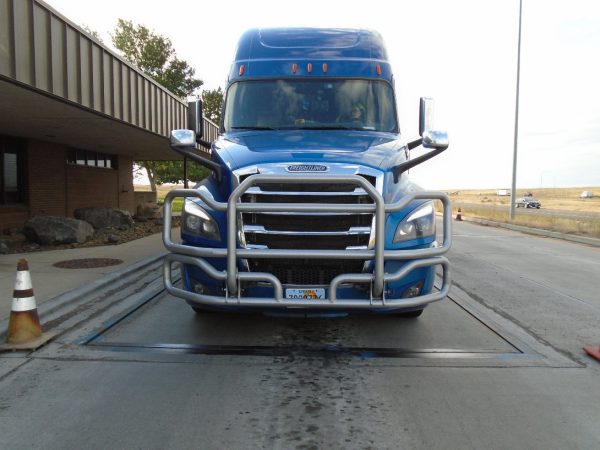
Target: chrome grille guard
(233,278)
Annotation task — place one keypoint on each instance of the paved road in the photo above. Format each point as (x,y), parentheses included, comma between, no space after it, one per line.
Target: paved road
(547,285)
(496,365)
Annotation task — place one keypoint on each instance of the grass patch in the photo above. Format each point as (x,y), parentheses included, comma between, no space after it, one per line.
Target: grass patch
(177,205)
(161,193)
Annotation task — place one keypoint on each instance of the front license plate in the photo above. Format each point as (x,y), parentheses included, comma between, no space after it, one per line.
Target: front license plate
(305,294)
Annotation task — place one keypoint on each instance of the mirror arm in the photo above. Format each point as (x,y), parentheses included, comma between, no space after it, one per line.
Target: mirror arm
(209,164)
(203,143)
(400,168)
(414,144)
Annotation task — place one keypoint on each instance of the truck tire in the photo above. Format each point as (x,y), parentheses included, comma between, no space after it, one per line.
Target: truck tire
(410,314)
(201,310)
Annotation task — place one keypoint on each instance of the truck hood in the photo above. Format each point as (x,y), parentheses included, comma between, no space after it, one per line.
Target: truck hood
(376,150)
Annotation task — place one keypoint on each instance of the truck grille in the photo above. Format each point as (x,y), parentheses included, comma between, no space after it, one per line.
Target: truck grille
(306,271)
(327,231)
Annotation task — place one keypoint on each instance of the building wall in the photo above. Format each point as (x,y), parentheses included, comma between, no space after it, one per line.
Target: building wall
(12,217)
(90,186)
(46,178)
(126,194)
(56,188)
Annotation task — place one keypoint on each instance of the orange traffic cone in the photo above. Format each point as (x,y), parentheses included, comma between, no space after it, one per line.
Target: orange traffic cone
(459,215)
(24,330)
(594,352)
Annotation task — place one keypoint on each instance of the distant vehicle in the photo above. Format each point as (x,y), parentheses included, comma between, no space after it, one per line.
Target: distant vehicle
(528,202)
(503,192)
(586,194)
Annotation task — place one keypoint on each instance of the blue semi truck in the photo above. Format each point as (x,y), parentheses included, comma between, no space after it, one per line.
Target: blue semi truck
(309,208)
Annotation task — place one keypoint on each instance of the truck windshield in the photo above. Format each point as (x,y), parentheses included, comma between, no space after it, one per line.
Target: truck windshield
(310,104)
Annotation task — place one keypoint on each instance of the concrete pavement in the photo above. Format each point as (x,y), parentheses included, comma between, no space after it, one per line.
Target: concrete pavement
(501,368)
(50,281)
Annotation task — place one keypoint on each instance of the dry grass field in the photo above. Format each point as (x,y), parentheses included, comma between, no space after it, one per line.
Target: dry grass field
(162,190)
(569,213)
(564,199)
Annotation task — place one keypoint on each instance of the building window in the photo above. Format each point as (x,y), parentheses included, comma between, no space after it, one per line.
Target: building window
(12,189)
(91,159)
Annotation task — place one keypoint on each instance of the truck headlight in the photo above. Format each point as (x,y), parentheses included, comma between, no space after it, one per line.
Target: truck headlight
(418,224)
(197,221)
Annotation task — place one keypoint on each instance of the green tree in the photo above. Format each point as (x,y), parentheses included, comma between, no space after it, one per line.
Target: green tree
(154,55)
(212,102)
(92,33)
(160,172)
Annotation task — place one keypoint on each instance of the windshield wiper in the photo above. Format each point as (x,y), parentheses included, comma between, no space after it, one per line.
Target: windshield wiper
(330,127)
(252,128)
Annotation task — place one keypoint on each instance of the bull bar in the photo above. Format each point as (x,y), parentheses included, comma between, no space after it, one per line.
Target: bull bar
(233,278)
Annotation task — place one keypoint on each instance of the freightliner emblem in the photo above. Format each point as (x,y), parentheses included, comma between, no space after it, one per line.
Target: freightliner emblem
(307,168)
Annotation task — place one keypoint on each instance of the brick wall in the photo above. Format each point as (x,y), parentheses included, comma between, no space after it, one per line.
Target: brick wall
(126,195)
(12,217)
(55,188)
(46,178)
(91,186)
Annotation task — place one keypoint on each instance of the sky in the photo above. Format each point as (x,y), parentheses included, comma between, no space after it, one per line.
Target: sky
(462,53)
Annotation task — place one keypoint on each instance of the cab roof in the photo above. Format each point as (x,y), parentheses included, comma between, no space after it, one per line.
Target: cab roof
(276,52)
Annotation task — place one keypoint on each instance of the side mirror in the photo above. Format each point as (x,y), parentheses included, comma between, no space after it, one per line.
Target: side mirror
(184,143)
(436,140)
(183,138)
(431,138)
(425,115)
(195,121)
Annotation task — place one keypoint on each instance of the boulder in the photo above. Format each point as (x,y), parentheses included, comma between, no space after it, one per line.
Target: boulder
(103,217)
(30,247)
(148,210)
(12,231)
(112,239)
(49,230)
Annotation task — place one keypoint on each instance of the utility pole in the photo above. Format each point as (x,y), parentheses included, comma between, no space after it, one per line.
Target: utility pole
(513,190)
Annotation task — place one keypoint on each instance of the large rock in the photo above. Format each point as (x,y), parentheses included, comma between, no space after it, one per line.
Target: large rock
(49,230)
(148,210)
(102,217)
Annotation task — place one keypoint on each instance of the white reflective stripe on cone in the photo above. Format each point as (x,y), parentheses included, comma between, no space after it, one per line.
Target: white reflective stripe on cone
(23,304)
(23,281)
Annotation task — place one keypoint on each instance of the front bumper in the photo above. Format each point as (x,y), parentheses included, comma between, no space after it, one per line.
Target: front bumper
(369,291)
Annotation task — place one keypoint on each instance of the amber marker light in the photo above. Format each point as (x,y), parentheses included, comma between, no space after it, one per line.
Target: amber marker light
(324,68)
(378,69)
(242,69)
(294,68)
(309,68)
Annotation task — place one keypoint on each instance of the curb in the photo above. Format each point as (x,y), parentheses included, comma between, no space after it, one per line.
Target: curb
(536,231)
(54,304)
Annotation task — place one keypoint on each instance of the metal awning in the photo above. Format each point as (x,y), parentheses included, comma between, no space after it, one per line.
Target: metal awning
(58,84)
